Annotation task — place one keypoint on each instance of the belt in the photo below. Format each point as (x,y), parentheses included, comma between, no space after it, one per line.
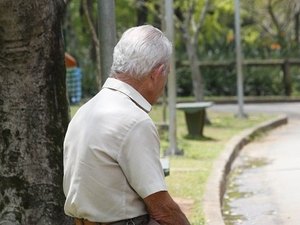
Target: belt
(86,222)
(140,220)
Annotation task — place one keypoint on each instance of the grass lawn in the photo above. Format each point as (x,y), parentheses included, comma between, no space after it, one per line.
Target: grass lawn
(188,173)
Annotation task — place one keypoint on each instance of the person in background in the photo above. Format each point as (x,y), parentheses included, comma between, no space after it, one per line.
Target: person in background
(112,169)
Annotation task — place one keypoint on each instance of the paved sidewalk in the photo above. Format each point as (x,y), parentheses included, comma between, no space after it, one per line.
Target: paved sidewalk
(291,109)
(266,181)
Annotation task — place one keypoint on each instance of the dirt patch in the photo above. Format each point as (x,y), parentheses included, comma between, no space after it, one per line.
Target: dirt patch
(185,204)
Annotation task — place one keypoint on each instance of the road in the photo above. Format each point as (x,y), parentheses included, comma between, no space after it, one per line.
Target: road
(264,185)
(292,109)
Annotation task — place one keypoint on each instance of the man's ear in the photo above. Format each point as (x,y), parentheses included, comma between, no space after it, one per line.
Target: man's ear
(158,71)
(161,68)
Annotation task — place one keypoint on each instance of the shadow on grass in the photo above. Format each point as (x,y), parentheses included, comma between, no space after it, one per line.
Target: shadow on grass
(199,138)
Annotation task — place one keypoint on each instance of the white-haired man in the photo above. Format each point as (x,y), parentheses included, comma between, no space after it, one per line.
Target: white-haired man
(112,170)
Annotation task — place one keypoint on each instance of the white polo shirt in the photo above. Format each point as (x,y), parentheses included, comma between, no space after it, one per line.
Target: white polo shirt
(111,156)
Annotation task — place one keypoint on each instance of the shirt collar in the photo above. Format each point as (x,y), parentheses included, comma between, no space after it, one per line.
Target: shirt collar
(128,90)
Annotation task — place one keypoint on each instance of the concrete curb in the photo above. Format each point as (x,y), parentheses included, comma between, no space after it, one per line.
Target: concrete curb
(215,188)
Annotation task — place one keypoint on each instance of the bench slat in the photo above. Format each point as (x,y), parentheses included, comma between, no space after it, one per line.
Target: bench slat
(193,106)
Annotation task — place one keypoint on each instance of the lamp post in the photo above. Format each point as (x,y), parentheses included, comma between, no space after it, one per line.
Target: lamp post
(239,60)
(107,35)
(169,25)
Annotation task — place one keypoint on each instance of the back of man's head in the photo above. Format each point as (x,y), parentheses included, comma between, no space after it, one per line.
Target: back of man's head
(139,51)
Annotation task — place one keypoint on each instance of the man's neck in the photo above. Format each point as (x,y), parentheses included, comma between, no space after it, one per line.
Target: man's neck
(141,85)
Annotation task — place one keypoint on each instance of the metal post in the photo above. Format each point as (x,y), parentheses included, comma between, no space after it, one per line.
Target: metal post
(107,35)
(171,80)
(239,59)
(164,97)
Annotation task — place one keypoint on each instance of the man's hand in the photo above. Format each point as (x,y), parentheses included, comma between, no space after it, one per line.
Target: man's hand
(164,210)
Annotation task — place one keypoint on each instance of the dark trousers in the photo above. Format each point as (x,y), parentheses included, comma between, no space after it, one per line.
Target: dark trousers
(140,220)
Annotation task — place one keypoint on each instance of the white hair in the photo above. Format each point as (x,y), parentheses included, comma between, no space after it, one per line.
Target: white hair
(140,50)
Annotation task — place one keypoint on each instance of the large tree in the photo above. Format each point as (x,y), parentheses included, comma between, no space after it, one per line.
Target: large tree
(191,16)
(33,112)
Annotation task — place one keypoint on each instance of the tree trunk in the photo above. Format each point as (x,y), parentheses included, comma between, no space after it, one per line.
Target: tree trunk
(191,42)
(297,25)
(198,85)
(142,12)
(87,8)
(33,112)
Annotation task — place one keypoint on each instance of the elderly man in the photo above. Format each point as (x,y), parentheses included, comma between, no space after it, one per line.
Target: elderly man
(112,170)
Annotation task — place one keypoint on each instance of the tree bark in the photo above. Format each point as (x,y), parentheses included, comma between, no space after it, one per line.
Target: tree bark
(33,112)
(96,42)
(190,35)
(297,28)
(142,12)
(198,85)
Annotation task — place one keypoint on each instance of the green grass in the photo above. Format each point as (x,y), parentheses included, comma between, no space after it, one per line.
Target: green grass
(189,172)
(73,109)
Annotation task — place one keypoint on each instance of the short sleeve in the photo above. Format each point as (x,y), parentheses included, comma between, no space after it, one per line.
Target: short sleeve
(140,159)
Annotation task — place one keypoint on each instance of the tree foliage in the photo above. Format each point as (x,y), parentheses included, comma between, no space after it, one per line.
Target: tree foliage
(269,29)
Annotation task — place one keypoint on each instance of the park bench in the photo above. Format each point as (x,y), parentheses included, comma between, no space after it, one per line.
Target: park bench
(194,116)
(165,165)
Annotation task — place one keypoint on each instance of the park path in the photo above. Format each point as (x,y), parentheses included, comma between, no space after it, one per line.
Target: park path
(264,185)
(291,109)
